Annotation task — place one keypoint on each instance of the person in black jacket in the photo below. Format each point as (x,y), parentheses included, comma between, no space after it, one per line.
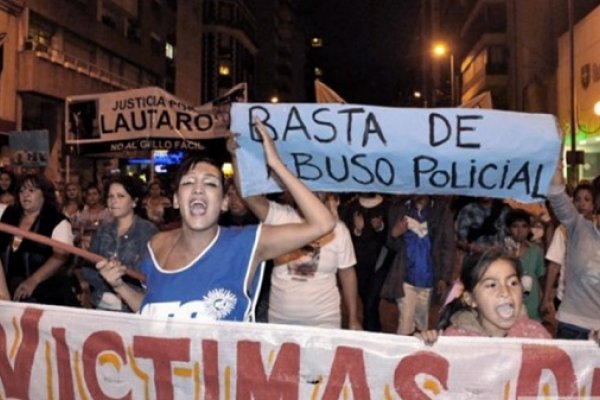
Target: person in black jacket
(365,216)
(33,270)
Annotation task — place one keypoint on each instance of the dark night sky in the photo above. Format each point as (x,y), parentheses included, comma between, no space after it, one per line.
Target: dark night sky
(369,47)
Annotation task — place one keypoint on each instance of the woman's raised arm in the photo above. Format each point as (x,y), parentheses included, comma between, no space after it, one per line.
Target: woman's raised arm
(277,240)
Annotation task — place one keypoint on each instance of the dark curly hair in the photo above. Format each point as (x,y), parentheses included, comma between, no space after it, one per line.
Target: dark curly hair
(517,215)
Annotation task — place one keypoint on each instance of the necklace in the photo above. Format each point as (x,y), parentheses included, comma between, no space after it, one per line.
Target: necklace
(95,216)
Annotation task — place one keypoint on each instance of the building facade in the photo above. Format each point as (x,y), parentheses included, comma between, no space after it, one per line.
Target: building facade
(586,85)
(63,48)
(228,47)
(281,56)
(496,46)
(511,48)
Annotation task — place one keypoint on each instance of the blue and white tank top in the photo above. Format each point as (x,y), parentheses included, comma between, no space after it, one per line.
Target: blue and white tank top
(214,286)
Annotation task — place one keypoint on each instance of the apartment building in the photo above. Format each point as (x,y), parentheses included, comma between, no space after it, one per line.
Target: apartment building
(229,47)
(53,49)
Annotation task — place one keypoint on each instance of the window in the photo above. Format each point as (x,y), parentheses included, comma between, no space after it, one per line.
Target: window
(133,31)
(225,43)
(109,19)
(130,6)
(497,54)
(40,38)
(224,69)
(169,51)
(225,12)
(155,44)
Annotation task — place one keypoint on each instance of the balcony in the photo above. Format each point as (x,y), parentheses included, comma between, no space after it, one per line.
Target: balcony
(240,22)
(492,77)
(485,17)
(58,74)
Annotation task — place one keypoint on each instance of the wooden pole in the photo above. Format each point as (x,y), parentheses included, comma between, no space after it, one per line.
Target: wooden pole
(88,255)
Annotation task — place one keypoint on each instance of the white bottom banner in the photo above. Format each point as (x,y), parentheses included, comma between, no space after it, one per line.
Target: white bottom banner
(62,353)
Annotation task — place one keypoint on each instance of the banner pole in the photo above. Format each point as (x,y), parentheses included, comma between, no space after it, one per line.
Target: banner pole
(36,237)
(67,169)
(151,167)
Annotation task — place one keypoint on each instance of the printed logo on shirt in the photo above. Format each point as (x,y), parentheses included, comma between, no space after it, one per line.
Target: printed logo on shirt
(215,305)
(306,261)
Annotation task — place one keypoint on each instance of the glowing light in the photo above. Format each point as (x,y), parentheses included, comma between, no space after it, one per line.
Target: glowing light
(440,49)
(224,70)
(169,51)
(597,108)
(316,42)
(274,99)
(227,170)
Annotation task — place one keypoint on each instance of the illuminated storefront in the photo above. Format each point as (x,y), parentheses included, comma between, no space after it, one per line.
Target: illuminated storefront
(587,91)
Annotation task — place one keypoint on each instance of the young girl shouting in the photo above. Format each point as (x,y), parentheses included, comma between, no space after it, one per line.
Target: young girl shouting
(492,301)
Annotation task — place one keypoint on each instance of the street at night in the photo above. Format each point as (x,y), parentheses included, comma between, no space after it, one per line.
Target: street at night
(300,199)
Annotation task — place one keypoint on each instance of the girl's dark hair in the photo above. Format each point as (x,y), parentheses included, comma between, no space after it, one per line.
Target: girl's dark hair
(38,181)
(593,188)
(132,185)
(93,186)
(584,185)
(12,189)
(190,162)
(517,215)
(472,271)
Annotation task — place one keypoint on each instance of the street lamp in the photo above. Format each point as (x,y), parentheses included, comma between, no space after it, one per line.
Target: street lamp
(440,50)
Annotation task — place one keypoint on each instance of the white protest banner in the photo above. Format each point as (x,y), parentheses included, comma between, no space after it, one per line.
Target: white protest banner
(144,119)
(356,148)
(65,353)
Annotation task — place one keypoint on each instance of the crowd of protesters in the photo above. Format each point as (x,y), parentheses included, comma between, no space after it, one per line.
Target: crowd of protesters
(413,251)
